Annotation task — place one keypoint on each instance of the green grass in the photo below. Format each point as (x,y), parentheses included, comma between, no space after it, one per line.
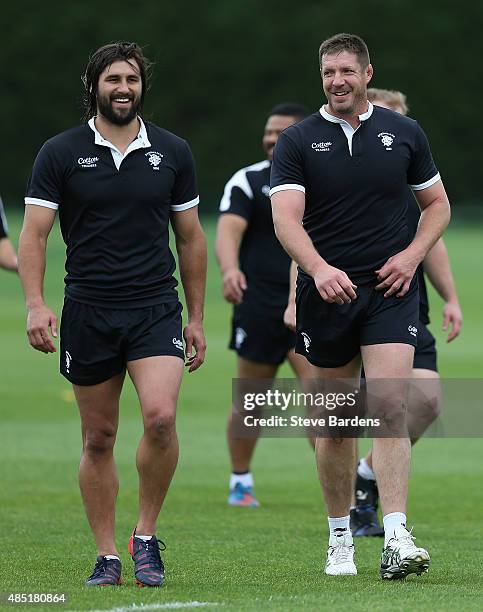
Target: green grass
(267,559)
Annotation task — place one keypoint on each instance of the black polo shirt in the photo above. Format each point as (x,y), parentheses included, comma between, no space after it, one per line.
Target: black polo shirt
(355,184)
(3,222)
(114,211)
(262,258)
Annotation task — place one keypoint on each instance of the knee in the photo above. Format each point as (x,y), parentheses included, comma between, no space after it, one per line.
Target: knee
(392,415)
(160,427)
(432,408)
(99,441)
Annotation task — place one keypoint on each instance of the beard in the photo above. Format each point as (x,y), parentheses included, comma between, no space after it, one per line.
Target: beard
(357,101)
(118,116)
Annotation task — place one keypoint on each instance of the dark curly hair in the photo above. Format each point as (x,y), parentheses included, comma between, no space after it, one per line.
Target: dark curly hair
(104,56)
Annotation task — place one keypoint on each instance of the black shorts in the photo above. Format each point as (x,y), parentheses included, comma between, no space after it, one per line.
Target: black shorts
(96,343)
(259,334)
(330,335)
(425,357)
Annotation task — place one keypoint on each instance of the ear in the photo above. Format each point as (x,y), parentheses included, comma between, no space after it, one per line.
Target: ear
(369,72)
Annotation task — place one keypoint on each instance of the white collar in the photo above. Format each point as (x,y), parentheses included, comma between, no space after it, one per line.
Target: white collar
(100,140)
(334,119)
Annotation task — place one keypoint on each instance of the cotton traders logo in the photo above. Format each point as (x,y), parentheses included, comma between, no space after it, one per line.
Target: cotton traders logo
(154,158)
(88,162)
(413,330)
(178,344)
(307,341)
(321,146)
(386,139)
(266,190)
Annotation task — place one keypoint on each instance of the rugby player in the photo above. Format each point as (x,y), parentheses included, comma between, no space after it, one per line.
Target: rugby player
(117,182)
(8,257)
(424,404)
(255,272)
(339,198)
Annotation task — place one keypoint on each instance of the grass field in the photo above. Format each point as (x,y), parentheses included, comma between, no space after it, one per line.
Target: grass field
(227,558)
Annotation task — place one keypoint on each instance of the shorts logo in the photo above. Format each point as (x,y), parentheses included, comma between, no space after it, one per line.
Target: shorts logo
(178,344)
(154,158)
(307,341)
(266,190)
(88,162)
(386,140)
(413,330)
(321,146)
(240,335)
(68,360)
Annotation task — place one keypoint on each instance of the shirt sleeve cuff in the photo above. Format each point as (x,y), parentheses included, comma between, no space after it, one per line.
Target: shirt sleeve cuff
(287,187)
(40,202)
(185,205)
(427,184)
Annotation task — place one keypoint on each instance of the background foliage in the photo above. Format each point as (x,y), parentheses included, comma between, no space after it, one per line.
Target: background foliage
(222,64)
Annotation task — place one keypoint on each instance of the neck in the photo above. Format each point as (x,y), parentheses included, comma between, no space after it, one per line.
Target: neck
(120,135)
(352,117)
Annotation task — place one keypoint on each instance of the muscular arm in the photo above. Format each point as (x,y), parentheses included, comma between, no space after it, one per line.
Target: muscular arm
(37,224)
(396,274)
(229,232)
(288,209)
(438,269)
(191,248)
(8,257)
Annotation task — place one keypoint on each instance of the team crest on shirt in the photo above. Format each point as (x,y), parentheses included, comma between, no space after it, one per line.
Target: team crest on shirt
(154,158)
(386,140)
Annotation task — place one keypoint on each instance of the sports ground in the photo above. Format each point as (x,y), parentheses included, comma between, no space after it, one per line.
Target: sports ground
(217,557)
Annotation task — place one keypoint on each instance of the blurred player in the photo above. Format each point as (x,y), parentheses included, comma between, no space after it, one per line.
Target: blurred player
(8,257)
(255,271)
(117,183)
(425,400)
(339,198)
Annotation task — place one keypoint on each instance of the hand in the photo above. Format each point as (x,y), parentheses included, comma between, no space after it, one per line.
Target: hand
(289,316)
(194,337)
(39,320)
(396,274)
(334,285)
(453,317)
(234,284)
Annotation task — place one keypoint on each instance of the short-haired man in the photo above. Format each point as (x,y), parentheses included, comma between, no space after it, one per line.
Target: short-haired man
(255,271)
(117,183)
(8,257)
(338,187)
(425,400)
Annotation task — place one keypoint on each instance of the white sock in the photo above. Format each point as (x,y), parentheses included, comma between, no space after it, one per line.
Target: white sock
(340,524)
(391,522)
(111,557)
(143,537)
(246,480)
(365,470)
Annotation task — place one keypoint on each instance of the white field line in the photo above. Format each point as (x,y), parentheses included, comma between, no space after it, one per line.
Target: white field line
(173,605)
